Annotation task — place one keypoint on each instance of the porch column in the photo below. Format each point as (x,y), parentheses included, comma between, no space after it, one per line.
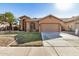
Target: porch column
(36,26)
(28,26)
(60,28)
(20,24)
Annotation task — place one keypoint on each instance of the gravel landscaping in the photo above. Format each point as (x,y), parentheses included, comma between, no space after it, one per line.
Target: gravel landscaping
(6,40)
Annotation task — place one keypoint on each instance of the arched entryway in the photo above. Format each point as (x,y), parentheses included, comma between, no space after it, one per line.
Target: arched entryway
(23,25)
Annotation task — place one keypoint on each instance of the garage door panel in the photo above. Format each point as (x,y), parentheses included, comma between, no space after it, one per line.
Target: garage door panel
(50,27)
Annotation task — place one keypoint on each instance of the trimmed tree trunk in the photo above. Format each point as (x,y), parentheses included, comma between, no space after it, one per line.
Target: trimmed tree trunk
(10,27)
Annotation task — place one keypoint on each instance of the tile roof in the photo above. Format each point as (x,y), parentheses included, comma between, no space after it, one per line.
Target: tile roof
(62,19)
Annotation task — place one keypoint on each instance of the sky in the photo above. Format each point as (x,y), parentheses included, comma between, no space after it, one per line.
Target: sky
(38,10)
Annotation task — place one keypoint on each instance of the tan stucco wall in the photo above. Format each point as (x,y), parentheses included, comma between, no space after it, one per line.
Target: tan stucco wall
(49,20)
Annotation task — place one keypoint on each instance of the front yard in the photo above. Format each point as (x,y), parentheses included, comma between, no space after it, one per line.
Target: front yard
(25,38)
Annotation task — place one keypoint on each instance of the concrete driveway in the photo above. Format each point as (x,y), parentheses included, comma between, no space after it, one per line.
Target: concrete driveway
(50,35)
(64,44)
(59,39)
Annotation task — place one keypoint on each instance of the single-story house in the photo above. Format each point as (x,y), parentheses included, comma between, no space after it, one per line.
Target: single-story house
(48,23)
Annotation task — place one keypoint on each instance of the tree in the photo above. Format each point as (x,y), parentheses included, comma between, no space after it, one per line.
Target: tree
(10,19)
(1,17)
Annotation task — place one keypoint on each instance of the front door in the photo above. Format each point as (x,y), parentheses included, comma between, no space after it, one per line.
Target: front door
(32,26)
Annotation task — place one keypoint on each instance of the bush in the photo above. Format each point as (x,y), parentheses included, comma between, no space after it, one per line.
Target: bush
(28,37)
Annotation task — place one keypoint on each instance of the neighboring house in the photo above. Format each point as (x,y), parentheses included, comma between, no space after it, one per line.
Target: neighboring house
(72,24)
(5,26)
(46,24)
(77,23)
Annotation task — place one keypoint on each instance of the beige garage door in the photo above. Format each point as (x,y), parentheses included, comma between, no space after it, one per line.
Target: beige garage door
(49,27)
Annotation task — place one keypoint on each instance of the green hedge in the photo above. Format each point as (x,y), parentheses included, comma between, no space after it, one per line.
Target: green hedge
(24,37)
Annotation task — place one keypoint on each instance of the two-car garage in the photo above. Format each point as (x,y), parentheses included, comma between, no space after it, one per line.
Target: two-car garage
(50,27)
(50,24)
